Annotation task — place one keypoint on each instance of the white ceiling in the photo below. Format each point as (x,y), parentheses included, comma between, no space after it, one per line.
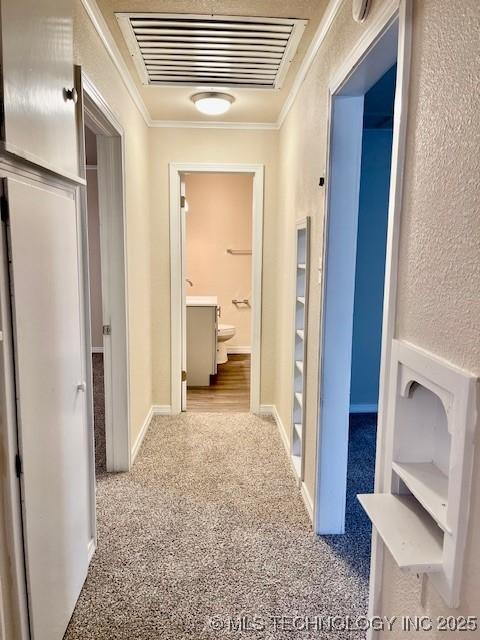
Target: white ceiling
(172,103)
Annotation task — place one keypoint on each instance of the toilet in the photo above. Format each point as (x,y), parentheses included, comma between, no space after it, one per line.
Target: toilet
(225,332)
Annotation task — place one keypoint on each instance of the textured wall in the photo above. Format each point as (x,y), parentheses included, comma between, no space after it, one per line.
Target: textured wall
(220,217)
(439,279)
(95,61)
(302,159)
(216,146)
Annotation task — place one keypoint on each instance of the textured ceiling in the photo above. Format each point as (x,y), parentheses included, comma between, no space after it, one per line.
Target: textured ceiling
(251,105)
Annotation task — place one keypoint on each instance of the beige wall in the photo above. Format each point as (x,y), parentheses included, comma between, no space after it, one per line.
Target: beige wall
(97,64)
(439,280)
(220,217)
(216,146)
(95,272)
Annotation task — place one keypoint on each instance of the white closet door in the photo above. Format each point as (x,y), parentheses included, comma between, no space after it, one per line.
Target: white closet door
(37,73)
(45,278)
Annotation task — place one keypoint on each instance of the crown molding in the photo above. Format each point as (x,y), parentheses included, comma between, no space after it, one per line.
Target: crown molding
(213,124)
(320,35)
(101,27)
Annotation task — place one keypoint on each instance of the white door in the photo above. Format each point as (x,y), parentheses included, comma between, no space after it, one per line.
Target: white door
(183,213)
(39,106)
(51,406)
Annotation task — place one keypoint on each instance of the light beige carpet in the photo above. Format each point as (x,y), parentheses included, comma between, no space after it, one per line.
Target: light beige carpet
(210,526)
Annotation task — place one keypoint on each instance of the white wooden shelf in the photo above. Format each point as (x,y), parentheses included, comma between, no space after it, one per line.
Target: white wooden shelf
(297,464)
(298,430)
(300,305)
(410,534)
(429,434)
(429,485)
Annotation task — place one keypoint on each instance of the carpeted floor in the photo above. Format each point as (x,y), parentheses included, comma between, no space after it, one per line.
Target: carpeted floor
(99,413)
(210,524)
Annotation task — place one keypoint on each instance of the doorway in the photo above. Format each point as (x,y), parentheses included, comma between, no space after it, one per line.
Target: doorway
(359,264)
(242,300)
(218,268)
(106,295)
(96,309)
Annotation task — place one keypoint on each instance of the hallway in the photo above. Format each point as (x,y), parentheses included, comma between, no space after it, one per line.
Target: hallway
(210,524)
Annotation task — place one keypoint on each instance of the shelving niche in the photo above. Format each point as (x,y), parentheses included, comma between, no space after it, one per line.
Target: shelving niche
(423,515)
(302,258)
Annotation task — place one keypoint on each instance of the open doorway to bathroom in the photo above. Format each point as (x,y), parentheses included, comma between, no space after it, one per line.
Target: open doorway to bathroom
(218,278)
(216,241)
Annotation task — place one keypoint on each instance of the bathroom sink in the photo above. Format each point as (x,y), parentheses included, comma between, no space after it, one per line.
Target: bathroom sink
(201,301)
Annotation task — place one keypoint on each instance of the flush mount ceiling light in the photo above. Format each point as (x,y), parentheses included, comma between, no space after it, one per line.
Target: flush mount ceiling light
(212,103)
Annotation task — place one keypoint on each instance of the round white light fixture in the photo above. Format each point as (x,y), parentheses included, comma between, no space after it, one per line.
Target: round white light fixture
(212,103)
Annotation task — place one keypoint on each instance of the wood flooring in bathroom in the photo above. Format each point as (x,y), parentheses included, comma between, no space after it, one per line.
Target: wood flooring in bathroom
(229,391)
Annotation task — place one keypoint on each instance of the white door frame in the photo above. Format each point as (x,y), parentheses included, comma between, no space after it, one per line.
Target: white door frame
(177,278)
(399,11)
(111,203)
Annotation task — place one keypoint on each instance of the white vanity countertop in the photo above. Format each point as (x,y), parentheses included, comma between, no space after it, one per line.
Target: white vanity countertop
(202,301)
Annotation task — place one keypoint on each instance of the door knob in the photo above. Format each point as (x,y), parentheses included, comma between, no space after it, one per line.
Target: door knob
(82,386)
(70,94)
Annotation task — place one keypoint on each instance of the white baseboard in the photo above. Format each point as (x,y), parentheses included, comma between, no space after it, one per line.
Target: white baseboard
(271,410)
(139,439)
(307,499)
(161,410)
(266,410)
(235,350)
(90,550)
(155,410)
(282,430)
(363,408)
(97,349)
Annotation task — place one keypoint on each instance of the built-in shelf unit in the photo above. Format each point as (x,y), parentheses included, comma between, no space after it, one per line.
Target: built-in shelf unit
(302,257)
(423,515)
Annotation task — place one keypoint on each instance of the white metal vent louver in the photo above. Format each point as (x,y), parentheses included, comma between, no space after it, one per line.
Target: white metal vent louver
(211,50)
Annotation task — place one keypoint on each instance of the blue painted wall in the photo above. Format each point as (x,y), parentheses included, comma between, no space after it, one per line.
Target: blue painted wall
(370,265)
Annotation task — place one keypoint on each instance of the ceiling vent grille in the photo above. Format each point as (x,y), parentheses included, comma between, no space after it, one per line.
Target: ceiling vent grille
(226,51)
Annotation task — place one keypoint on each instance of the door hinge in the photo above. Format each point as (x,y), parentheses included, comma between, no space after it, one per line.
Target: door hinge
(18,466)
(107,330)
(182,202)
(184,376)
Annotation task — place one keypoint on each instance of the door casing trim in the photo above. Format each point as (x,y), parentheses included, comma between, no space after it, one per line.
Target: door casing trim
(176,284)
(113,240)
